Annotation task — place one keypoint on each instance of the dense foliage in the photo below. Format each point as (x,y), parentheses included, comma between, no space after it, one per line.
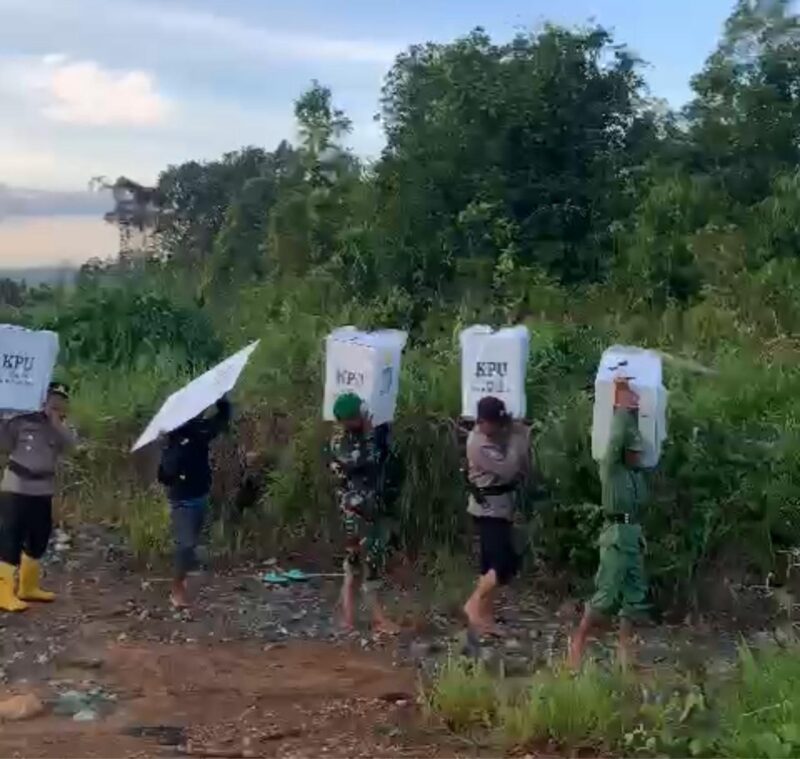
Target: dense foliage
(530,181)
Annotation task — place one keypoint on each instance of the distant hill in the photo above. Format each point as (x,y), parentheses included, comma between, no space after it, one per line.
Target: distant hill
(41,275)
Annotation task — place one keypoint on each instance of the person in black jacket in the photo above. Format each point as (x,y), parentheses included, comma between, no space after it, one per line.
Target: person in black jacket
(185,472)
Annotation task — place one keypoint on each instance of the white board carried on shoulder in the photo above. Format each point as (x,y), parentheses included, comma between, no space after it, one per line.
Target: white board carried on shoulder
(193,399)
(27,360)
(643,369)
(367,364)
(494,362)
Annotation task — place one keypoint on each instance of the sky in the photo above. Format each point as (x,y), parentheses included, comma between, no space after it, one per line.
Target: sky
(127,87)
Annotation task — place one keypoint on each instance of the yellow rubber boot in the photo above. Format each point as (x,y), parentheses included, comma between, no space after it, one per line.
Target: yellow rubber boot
(29,575)
(8,600)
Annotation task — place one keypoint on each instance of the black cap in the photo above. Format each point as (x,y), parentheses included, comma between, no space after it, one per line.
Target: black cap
(58,388)
(491,409)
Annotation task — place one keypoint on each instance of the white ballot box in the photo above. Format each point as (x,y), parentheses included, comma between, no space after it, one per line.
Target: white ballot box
(494,362)
(643,367)
(27,359)
(367,364)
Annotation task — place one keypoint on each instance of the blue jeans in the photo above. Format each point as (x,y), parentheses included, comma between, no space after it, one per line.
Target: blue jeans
(187,517)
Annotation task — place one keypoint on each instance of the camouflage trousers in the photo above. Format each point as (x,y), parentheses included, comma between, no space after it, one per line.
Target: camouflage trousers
(366,540)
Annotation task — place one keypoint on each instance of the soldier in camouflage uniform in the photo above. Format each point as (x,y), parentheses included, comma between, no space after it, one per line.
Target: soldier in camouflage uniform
(356,466)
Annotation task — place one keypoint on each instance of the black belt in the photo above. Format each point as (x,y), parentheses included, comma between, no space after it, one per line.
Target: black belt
(620,519)
(509,487)
(480,493)
(27,474)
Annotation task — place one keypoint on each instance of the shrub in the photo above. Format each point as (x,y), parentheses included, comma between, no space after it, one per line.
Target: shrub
(120,327)
(463,695)
(760,709)
(569,710)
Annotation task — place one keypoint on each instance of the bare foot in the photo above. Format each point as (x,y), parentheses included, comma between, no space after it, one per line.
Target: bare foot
(490,629)
(478,619)
(385,627)
(473,612)
(343,622)
(179,596)
(382,625)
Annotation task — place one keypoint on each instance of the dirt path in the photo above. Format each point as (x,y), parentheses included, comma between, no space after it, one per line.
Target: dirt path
(303,699)
(254,671)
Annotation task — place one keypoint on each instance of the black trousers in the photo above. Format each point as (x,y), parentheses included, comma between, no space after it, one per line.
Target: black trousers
(25,525)
(497,548)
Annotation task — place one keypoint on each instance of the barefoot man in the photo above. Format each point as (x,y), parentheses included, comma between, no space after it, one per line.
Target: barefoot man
(498,459)
(620,584)
(185,472)
(34,443)
(354,461)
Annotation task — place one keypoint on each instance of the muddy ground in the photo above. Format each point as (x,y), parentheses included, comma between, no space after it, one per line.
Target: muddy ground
(254,670)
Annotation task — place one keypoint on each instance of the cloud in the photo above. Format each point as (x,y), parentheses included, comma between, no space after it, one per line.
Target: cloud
(203,33)
(17,159)
(39,153)
(262,42)
(127,87)
(84,93)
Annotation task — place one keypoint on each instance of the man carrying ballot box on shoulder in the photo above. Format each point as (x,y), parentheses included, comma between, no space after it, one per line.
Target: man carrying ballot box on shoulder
(498,460)
(620,583)
(355,463)
(34,443)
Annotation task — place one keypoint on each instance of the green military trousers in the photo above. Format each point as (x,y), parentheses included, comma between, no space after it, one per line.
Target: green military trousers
(620,583)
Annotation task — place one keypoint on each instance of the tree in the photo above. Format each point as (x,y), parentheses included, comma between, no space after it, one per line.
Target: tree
(320,124)
(12,292)
(658,260)
(239,247)
(314,208)
(533,143)
(196,197)
(745,117)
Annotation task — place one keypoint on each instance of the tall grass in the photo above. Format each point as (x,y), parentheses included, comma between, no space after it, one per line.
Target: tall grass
(565,709)
(725,483)
(755,712)
(463,695)
(760,710)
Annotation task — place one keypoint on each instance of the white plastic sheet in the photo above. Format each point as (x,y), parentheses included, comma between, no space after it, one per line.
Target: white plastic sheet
(196,397)
(367,364)
(27,358)
(643,367)
(494,363)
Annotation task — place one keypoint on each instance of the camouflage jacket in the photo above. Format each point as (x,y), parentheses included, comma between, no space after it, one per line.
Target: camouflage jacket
(355,465)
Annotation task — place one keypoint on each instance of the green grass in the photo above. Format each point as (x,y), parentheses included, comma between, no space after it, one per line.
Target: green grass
(453,579)
(566,709)
(464,696)
(726,477)
(753,712)
(146,522)
(760,710)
